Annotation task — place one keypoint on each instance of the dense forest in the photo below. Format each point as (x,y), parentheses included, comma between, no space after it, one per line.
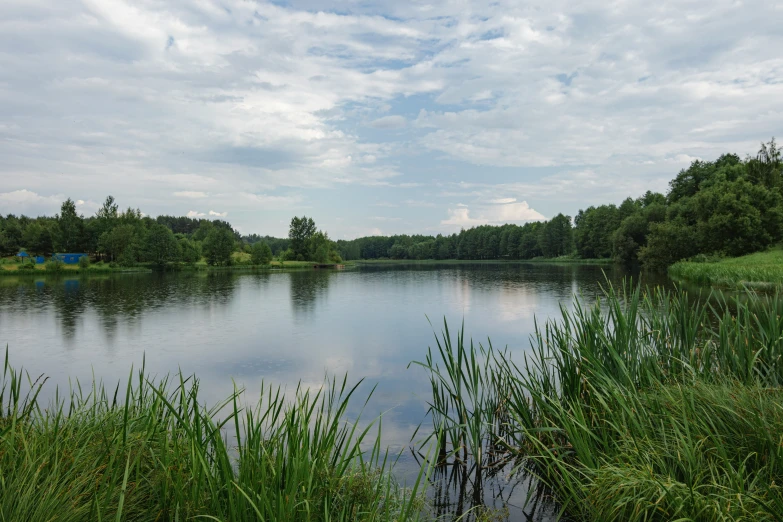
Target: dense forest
(127,238)
(727,207)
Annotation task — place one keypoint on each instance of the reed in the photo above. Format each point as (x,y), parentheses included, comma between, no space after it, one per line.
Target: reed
(153,451)
(643,405)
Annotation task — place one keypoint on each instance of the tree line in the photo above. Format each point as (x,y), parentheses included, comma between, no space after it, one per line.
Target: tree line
(128,237)
(731,206)
(727,207)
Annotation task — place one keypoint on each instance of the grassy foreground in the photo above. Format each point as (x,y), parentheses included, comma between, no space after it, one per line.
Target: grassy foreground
(759,269)
(641,407)
(159,454)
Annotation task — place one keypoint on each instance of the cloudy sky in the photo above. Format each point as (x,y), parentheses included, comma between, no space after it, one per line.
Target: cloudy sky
(375,116)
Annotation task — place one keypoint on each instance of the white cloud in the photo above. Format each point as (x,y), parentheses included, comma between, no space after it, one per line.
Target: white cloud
(144,100)
(218,214)
(195,214)
(497,214)
(25,201)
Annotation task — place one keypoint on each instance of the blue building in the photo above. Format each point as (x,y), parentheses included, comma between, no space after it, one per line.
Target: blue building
(24,256)
(68,259)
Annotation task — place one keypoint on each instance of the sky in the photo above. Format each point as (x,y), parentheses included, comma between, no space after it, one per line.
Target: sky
(375,117)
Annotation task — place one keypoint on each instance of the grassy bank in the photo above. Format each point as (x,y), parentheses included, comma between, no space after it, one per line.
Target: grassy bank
(542,260)
(759,269)
(651,407)
(160,454)
(240,264)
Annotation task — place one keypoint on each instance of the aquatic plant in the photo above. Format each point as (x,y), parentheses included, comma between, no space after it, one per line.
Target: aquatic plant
(645,405)
(153,451)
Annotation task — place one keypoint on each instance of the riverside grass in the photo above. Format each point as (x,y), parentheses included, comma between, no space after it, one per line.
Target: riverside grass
(159,454)
(643,406)
(762,269)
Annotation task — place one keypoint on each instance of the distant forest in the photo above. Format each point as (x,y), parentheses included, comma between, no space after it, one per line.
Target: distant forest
(727,207)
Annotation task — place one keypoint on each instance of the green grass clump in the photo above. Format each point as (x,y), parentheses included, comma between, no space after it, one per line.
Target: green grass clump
(152,451)
(759,269)
(644,406)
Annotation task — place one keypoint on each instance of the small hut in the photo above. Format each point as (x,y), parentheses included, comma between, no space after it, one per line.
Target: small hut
(68,259)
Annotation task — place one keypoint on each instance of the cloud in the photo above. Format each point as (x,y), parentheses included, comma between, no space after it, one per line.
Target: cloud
(496,214)
(561,107)
(195,214)
(29,202)
(389,122)
(218,214)
(460,217)
(384,218)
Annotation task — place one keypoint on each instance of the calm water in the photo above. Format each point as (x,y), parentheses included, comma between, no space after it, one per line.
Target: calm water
(284,327)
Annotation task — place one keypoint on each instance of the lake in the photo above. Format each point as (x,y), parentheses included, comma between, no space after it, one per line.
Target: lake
(287,327)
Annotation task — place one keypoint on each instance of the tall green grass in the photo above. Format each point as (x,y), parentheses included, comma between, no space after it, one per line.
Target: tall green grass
(640,406)
(762,269)
(152,451)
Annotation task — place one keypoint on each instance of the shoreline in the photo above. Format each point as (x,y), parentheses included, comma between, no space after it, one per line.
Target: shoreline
(541,261)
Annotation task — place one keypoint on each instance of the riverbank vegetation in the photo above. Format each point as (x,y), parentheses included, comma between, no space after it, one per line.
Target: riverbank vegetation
(755,270)
(729,207)
(153,451)
(643,406)
(115,240)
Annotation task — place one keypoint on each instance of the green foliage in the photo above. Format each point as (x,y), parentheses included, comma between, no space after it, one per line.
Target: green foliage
(307,243)
(152,450)
(84,262)
(299,234)
(555,237)
(70,228)
(38,238)
(218,246)
(161,247)
(644,406)
(190,250)
(54,265)
(593,229)
(759,269)
(260,253)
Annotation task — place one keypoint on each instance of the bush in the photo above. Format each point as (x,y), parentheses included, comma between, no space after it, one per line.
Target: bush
(55,265)
(84,262)
(261,254)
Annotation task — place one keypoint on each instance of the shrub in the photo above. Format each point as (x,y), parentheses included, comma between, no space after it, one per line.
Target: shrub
(84,262)
(54,265)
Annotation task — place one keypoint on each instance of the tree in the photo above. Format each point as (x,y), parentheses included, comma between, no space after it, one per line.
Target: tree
(120,244)
(299,233)
(260,253)
(161,247)
(218,246)
(190,250)
(555,237)
(738,217)
(37,238)
(70,228)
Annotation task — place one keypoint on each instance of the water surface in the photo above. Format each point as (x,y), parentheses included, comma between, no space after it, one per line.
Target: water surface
(285,327)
